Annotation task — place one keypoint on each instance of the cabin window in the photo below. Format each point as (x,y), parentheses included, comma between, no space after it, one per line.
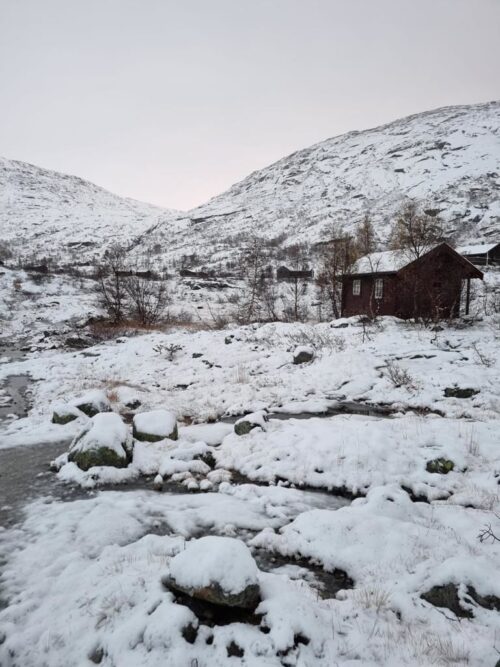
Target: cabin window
(379,288)
(356,287)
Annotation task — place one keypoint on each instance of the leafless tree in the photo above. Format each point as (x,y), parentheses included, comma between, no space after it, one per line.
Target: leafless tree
(110,283)
(253,262)
(365,238)
(415,232)
(149,298)
(337,257)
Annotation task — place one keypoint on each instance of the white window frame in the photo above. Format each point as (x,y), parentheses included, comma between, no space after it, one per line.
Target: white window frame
(379,288)
(356,287)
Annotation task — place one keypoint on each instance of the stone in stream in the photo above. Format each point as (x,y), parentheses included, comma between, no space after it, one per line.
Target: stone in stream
(92,403)
(155,425)
(253,420)
(303,354)
(216,570)
(104,441)
(158,483)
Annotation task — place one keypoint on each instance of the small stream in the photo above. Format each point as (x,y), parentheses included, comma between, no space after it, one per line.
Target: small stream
(25,475)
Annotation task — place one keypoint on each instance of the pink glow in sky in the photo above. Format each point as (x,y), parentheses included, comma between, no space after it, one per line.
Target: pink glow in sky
(172,101)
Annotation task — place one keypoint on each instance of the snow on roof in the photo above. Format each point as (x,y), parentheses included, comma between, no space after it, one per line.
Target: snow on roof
(380,262)
(476,249)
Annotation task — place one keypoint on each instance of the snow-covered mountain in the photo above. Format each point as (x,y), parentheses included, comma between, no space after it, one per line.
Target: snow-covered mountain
(46,213)
(448,159)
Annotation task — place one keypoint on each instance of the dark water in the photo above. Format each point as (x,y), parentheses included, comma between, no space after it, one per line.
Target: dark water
(337,408)
(17,402)
(25,475)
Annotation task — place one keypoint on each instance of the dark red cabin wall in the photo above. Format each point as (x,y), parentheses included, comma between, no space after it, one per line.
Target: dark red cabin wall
(365,303)
(431,288)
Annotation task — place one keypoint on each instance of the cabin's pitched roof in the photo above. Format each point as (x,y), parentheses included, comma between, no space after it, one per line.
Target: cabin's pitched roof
(388,261)
(392,261)
(476,249)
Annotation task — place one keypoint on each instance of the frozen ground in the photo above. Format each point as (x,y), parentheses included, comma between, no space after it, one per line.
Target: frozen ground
(83,579)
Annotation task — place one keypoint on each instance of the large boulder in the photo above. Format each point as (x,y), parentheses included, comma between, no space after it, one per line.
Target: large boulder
(303,354)
(218,570)
(104,441)
(92,403)
(155,425)
(253,420)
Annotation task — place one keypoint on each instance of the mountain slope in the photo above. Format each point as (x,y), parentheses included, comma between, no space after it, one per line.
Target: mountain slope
(46,213)
(448,159)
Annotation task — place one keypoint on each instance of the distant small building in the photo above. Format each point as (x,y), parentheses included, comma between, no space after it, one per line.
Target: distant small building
(286,274)
(188,273)
(394,283)
(487,254)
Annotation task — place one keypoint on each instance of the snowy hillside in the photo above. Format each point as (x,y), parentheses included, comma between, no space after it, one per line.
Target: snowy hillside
(44,213)
(448,158)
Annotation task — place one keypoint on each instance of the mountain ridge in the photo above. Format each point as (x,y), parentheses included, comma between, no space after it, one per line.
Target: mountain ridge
(448,159)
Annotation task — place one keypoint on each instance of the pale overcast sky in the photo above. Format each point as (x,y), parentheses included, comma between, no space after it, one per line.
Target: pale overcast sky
(172,101)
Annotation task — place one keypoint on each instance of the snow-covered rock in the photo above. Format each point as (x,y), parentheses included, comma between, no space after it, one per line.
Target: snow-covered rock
(303,354)
(92,402)
(220,570)
(104,441)
(64,413)
(155,425)
(244,425)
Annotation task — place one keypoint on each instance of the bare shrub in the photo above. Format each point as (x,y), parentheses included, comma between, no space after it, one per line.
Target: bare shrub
(311,337)
(168,351)
(487,533)
(149,298)
(400,377)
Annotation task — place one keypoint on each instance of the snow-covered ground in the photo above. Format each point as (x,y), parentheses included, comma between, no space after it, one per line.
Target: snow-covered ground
(84,578)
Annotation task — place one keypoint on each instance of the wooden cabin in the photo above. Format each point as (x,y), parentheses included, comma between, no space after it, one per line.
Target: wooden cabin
(487,254)
(286,274)
(394,283)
